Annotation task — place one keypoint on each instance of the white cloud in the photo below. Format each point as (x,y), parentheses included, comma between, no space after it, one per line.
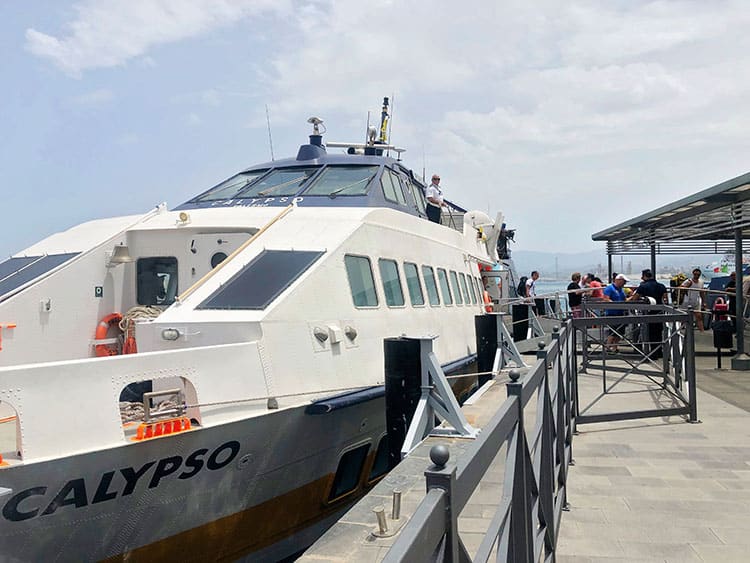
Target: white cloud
(529,105)
(95,97)
(107,33)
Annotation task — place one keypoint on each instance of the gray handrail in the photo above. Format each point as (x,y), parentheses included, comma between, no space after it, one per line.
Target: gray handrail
(535,479)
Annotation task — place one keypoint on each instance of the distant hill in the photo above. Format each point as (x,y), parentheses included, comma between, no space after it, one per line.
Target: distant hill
(559,265)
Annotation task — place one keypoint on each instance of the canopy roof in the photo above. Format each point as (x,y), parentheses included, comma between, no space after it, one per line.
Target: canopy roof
(704,222)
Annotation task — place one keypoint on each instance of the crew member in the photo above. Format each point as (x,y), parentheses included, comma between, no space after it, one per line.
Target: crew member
(435,201)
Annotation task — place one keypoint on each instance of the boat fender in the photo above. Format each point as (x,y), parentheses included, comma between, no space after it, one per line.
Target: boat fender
(113,319)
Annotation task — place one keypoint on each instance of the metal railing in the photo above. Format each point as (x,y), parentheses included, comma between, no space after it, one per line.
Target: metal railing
(526,524)
(660,346)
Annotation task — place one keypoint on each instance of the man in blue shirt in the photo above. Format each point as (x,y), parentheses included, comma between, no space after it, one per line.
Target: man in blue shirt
(614,292)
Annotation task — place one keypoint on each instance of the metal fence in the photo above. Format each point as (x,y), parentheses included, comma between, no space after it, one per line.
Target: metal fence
(660,346)
(526,523)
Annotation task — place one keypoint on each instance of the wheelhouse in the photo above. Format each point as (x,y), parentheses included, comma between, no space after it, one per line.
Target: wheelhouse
(330,181)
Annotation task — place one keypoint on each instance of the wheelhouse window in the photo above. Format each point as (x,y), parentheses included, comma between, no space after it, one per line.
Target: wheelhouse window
(261,281)
(342,180)
(233,187)
(361,281)
(392,187)
(394,295)
(444,289)
(348,472)
(156,280)
(429,281)
(418,196)
(412,282)
(279,183)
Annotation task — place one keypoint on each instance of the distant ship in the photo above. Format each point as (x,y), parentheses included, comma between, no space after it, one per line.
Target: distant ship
(722,268)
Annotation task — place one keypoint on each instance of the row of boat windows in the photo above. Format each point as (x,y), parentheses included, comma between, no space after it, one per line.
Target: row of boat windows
(439,283)
(328,181)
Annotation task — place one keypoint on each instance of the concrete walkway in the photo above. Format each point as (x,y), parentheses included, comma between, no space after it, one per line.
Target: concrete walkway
(663,489)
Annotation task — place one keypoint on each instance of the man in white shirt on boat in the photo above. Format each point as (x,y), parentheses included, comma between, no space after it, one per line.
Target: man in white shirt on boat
(435,202)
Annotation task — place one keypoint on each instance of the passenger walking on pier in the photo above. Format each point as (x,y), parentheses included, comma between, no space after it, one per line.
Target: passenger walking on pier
(435,202)
(614,292)
(694,297)
(650,288)
(575,295)
(536,304)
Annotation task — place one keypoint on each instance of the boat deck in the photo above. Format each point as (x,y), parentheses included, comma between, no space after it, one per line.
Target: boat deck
(658,489)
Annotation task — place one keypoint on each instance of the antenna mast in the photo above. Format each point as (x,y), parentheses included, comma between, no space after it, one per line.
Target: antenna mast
(270,140)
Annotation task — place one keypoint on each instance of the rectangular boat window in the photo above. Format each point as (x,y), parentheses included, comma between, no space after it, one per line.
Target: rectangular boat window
(429,281)
(348,472)
(261,281)
(464,289)
(472,290)
(444,289)
(229,189)
(157,280)
(456,290)
(480,289)
(394,295)
(15,272)
(412,282)
(361,281)
(380,464)
(392,187)
(342,180)
(280,182)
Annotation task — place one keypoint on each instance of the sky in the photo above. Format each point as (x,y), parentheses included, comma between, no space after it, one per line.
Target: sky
(569,117)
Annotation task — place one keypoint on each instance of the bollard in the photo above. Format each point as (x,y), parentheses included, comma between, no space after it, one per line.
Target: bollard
(396,511)
(380,515)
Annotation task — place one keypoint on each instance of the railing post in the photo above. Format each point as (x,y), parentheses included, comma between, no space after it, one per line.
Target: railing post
(562,421)
(521,544)
(690,369)
(544,457)
(439,477)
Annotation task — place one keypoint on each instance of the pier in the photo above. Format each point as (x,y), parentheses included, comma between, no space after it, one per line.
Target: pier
(644,488)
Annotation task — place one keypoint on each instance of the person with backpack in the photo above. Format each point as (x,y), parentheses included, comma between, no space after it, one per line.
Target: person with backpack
(521,288)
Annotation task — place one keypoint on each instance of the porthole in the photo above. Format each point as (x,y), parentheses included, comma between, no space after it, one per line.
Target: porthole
(217,259)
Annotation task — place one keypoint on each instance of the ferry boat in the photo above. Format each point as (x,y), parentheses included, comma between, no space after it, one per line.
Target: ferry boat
(255,315)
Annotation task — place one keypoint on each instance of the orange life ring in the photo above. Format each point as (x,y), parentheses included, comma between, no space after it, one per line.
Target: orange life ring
(101,333)
(488,302)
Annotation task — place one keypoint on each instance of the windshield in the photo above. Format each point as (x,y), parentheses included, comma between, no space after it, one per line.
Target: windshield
(343,180)
(230,188)
(280,182)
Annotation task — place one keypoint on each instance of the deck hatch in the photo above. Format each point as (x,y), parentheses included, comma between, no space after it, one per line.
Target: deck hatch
(15,272)
(262,280)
